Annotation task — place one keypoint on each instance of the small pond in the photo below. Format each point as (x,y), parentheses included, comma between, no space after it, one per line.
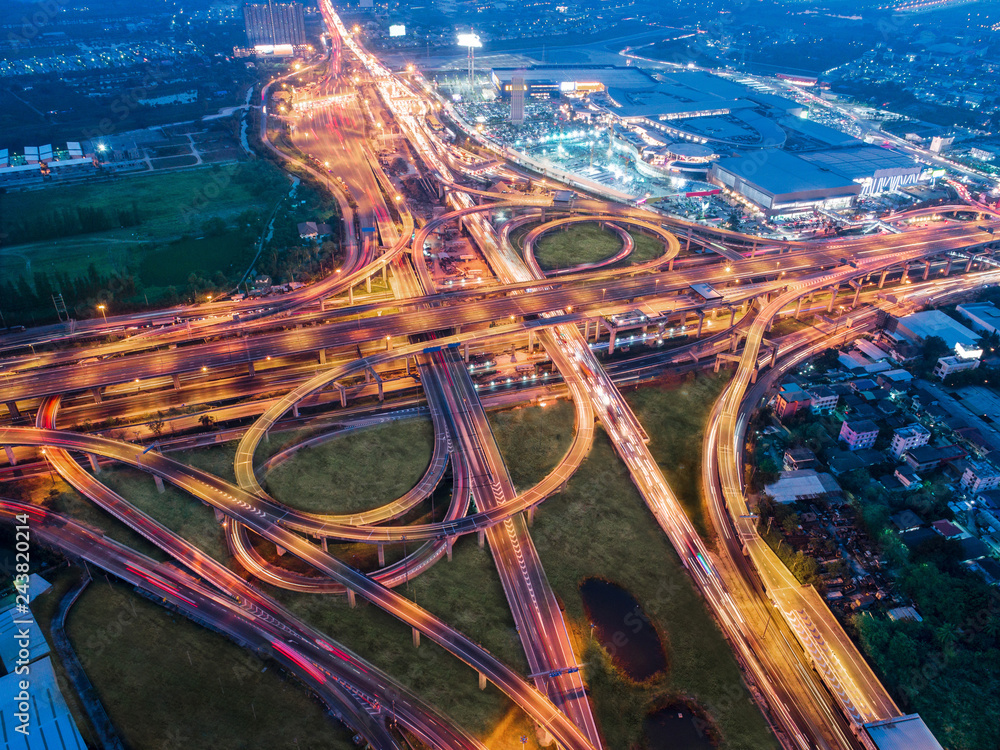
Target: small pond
(623,629)
(677,727)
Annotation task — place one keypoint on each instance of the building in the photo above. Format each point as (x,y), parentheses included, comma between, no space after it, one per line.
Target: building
(905,438)
(920,326)
(902,733)
(52,725)
(984,316)
(517,99)
(274,24)
(802,484)
(979,476)
(822,399)
(552,81)
(947,365)
(799,458)
(922,458)
(859,435)
(780,183)
(876,169)
(790,400)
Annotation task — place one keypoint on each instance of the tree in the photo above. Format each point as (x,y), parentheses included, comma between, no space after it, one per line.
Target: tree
(206,420)
(156,425)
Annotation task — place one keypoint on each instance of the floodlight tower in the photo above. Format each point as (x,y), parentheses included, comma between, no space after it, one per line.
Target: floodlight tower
(471,41)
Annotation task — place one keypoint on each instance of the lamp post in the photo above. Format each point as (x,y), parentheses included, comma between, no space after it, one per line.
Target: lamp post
(102,308)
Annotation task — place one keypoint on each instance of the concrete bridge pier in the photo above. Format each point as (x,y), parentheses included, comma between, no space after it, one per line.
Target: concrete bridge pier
(416,638)
(857,292)
(11,458)
(325,542)
(798,307)
(177,382)
(531,516)
(381,555)
(94,466)
(927,269)
(343,395)
(481,534)
(368,284)
(448,545)
(350,295)
(158,481)
(96,393)
(701,322)
(687,245)
(968,263)
(881,279)
(250,370)
(482,681)
(465,354)
(322,356)
(295,410)
(833,297)
(947,268)
(351,598)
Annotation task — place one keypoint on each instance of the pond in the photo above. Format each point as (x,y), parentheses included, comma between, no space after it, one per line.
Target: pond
(623,629)
(677,727)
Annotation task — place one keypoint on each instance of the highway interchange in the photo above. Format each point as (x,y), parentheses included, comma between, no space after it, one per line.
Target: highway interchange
(812,684)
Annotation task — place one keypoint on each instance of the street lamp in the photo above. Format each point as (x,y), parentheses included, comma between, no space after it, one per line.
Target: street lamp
(101,308)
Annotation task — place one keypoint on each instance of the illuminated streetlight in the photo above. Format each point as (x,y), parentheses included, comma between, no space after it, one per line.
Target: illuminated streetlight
(101,308)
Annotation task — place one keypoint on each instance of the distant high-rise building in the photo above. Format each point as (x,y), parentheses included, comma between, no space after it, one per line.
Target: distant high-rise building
(274,23)
(517,88)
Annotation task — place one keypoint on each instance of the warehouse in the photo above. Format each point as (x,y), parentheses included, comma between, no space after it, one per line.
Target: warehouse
(781,183)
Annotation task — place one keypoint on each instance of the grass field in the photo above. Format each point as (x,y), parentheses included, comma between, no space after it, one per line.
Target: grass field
(358,471)
(173,264)
(579,243)
(169,205)
(600,527)
(538,437)
(674,415)
(168,683)
(646,248)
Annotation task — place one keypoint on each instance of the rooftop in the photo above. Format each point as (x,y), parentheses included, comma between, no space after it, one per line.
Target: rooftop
(779,173)
(936,323)
(860,162)
(52,725)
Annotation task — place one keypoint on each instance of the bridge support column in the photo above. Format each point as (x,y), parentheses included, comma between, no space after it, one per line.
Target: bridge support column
(368,284)
(381,555)
(388,343)
(482,538)
(798,307)
(11,458)
(158,481)
(465,352)
(295,410)
(833,297)
(322,356)
(250,370)
(385,281)
(219,515)
(96,393)
(531,516)
(753,375)
(482,681)
(351,598)
(659,331)
(881,279)
(177,381)
(947,269)
(350,295)
(531,342)
(448,545)
(734,341)
(968,264)
(774,354)
(343,395)
(381,392)
(927,269)
(416,638)
(857,295)
(732,316)
(611,339)
(586,330)
(687,246)
(325,542)
(94,466)
(281,550)
(670,264)
(753,250)
(701,322)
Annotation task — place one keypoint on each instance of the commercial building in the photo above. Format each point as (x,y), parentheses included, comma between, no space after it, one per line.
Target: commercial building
(780,183)
(984,316)
(875,168)
(920,326)
(905,438)
(517,89)
(274,24)
(551,81)
(858,435)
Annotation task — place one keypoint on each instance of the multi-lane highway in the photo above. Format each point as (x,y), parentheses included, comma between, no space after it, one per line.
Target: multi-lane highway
(812,683)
